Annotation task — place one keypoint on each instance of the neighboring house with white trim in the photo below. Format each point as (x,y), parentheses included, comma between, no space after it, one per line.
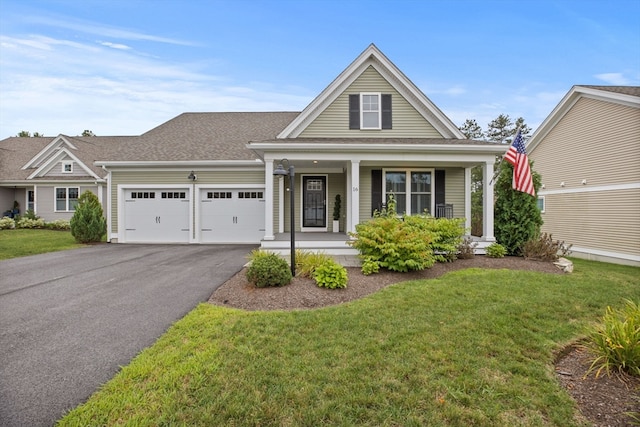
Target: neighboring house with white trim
(47,174)
(588,153)
(208,177)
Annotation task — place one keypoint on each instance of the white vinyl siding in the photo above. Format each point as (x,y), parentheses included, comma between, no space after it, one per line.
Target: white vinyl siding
(334,120)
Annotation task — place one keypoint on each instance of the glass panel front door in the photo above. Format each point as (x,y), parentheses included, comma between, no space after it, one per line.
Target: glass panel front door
(314,212)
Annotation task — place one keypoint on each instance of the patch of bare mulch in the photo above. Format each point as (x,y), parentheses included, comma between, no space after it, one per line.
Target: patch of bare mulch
(303,293)
(606,400)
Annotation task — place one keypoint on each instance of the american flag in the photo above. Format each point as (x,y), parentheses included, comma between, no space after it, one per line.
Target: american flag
(517,156)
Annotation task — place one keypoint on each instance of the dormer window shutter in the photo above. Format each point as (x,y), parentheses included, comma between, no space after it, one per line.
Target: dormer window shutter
(354,111)
(386,111)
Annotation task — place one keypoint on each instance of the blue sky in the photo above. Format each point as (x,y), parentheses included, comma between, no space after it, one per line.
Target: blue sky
(122,67)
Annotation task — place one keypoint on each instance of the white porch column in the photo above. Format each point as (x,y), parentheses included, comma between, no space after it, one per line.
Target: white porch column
(268,205)
(281,205)
(487,211)
(467,199)
(354,195)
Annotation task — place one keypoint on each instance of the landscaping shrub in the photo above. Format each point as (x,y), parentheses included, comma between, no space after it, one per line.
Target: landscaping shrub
(257,253)
(394,243)
(88,223)
(466,249)
(330,275)
(447,234)
(7,223)
(616,341)
(544,248)
(25,222)
(307,262)
(58,224)
(496,250)
(269,270)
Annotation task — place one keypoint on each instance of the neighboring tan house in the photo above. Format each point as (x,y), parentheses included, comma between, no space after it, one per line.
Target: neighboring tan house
(588,153)
(208,177)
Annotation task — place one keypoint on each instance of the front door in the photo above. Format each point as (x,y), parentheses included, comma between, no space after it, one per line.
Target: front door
(314,196)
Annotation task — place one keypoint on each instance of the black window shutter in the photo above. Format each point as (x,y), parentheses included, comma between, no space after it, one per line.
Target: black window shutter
(354,111)
(440,197)
(376,190)
(386,111)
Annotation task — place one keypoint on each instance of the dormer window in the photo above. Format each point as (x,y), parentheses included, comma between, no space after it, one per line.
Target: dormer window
(67,167)
(370,111)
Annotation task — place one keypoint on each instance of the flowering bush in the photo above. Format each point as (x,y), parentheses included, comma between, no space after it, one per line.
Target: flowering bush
(7,223)
(26,222)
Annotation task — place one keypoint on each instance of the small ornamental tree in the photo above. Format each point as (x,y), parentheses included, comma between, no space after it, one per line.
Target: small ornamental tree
(517,218)
(88,223)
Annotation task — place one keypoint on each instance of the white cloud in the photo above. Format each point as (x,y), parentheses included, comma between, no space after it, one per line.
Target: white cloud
(116,45)
(617,79)
(57,86)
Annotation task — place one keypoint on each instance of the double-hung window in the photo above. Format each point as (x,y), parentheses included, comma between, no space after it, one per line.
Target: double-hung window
(66,198)
(370,111)
(412,190)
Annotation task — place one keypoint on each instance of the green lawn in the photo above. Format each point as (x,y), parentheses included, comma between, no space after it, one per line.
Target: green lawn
(22,242)
(473,348)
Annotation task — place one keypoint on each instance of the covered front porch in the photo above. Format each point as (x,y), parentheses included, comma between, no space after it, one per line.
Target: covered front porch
(330,243)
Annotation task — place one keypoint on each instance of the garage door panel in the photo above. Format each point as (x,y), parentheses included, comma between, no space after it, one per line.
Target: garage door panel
(231,215)
(157,215)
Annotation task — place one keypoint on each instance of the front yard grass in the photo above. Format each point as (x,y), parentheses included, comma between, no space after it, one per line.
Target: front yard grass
(474,347)
(25,241)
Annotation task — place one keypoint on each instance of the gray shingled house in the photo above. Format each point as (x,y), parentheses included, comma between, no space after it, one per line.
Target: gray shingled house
(208,177)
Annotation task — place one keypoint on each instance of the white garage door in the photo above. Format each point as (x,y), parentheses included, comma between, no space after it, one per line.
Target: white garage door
(156,215)
(231,215)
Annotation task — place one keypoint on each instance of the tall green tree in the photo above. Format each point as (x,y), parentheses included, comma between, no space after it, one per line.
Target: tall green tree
(501,129)
(517,218)
(88,223)
(24,134)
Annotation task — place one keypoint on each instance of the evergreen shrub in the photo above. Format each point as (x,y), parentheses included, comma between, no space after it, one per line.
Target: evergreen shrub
(88,223)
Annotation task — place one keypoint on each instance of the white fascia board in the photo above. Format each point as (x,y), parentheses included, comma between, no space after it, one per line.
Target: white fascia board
(400,148)
(568,101)
(48,150)
(45,168)
(172,164)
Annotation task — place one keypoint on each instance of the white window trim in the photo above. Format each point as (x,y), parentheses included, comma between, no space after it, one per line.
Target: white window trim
(66,204)
(408,171)
(544,204)
(64,167)
(379,95)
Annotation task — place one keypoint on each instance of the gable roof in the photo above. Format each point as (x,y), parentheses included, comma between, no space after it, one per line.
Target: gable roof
(624,95)
(373,57)
(24,159)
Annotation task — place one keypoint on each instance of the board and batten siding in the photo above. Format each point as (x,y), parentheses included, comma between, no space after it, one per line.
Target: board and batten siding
(596,140)
(149,178)
(601,220)
(333,122)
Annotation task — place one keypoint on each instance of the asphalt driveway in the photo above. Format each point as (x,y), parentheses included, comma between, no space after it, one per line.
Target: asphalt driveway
(69,320)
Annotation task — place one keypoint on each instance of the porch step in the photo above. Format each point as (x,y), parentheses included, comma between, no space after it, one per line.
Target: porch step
(329,247)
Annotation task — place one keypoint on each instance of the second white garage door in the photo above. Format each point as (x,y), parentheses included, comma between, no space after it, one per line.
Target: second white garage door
(231,215)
